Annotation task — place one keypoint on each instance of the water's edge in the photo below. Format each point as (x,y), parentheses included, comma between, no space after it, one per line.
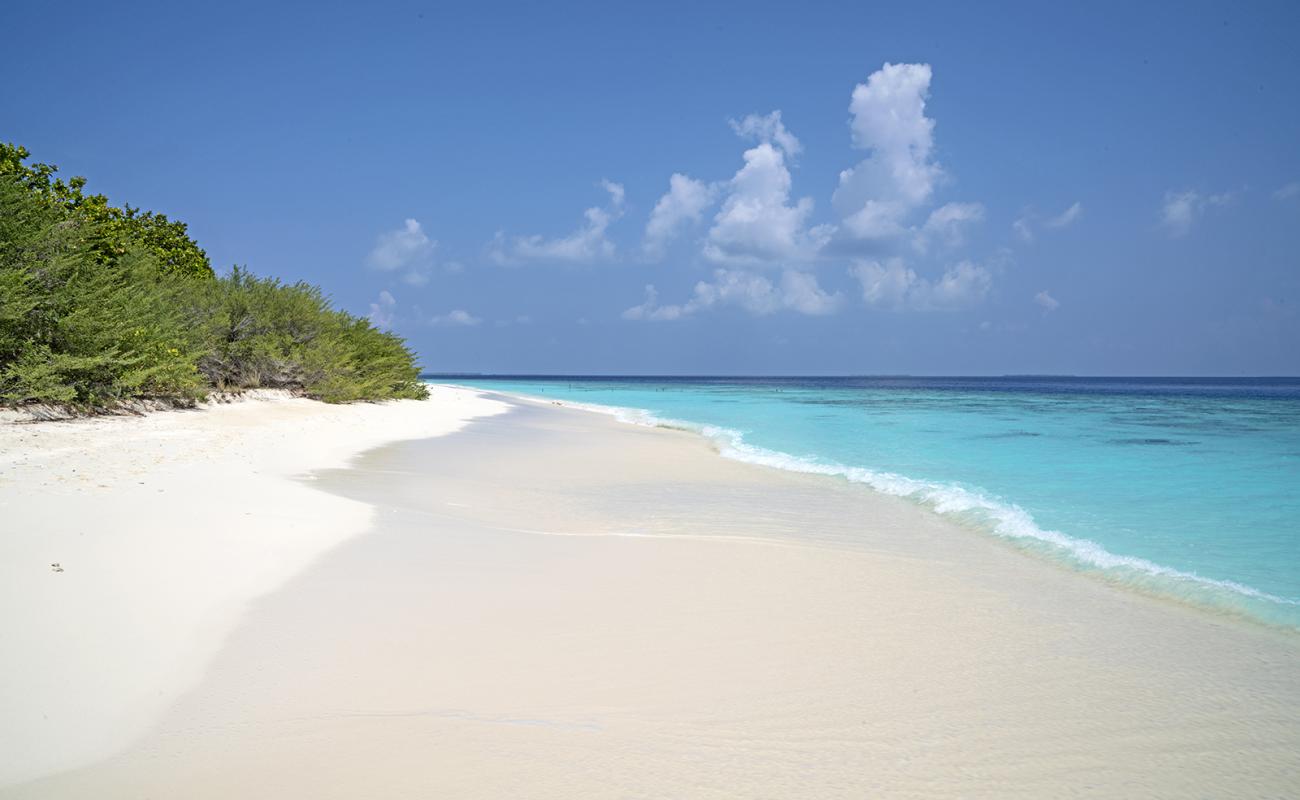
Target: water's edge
(980,512)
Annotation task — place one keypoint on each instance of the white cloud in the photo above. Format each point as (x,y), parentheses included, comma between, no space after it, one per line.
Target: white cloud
(768,129)
(888,118)
(1066,218)
(407,249)
(616,194)
(401,248)
(877,219)
(1047,302)
(801,292)
(1181,209)
(1023,229)
(894,285)
(650,309)
(381,311)
(946,224)
(797,291)
(455,318)
(1024,225)
(758,224)
(1287,192)
(588,243)
(683,205)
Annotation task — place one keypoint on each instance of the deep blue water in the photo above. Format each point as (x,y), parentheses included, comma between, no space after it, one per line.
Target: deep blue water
(1188,487)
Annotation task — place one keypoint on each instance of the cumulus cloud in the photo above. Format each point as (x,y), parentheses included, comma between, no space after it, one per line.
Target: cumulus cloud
(458,317)
(800,292)
(893,285)
(768,129)
(649,309)
(1046,301)
(900,174)
(758,223)
(588,243)
(407,250)
(401,248)
(382,310)
(947,224)
(684,204)
(796,291)
(1066,218)
(1182,209)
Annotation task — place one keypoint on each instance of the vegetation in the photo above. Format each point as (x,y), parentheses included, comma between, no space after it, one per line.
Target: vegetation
(100,305)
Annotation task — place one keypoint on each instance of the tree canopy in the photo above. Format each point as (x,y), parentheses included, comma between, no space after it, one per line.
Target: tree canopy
(100,304)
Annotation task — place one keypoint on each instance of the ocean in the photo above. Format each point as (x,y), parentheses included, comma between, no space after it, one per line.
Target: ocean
(1184,488)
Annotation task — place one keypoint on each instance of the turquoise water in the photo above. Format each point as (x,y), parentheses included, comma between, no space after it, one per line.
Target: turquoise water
(1180,488)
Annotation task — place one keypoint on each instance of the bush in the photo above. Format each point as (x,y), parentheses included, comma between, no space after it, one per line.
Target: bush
(264,333)
(100,305)
(119,229)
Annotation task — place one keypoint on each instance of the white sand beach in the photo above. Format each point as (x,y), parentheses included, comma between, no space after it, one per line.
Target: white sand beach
(164,529)
(549,603)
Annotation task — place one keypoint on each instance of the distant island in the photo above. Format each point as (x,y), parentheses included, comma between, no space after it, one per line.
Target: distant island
(101,305)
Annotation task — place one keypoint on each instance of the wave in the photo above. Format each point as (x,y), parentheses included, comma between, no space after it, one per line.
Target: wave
(975,508)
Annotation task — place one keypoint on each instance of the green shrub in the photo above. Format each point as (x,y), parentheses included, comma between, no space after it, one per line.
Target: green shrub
(352,360)
(265,333)
(100,305)
(120,229)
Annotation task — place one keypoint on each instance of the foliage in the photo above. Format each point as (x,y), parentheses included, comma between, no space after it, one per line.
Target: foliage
(121,229)
(100,305)
(267,333)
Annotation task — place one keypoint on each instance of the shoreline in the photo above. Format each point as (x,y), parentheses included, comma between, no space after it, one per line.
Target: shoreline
(655,648)
(133,545)
(1222,598)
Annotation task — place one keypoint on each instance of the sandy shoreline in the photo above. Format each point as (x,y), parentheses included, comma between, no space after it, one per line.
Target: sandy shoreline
(164,528)
(552,604)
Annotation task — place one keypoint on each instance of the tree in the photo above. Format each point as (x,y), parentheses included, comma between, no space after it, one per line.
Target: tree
(122,229)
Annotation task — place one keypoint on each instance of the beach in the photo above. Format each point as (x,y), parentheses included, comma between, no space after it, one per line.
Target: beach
(482,596)
(131,546)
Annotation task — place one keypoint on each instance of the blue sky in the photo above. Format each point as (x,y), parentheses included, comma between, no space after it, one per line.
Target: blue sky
(861,187)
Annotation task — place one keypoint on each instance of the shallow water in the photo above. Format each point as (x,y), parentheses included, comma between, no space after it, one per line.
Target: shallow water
(1176,486)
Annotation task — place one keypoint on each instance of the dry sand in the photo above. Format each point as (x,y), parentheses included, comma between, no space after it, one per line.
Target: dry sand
(553,604)
(164,528)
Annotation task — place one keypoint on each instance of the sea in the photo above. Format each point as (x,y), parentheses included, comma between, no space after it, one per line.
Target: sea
(1183,488)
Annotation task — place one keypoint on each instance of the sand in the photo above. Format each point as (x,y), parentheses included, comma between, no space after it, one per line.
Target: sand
(164,528)
(553,604)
